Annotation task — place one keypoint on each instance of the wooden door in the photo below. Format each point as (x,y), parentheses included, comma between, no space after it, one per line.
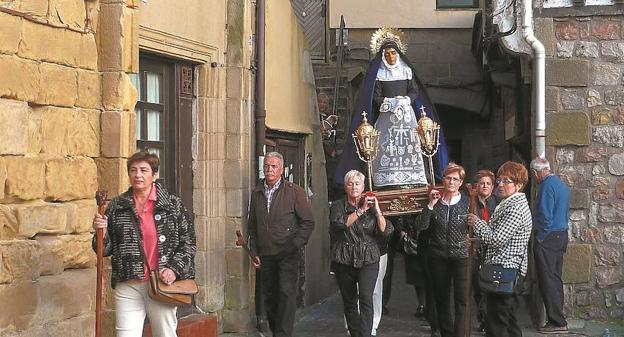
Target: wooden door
(291,148)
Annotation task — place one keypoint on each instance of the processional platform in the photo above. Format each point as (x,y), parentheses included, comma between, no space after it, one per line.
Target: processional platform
(403,201)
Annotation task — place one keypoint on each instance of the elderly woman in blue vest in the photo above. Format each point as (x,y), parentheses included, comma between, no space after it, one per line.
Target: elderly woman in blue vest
(505,239)
(356,223)
(146,228)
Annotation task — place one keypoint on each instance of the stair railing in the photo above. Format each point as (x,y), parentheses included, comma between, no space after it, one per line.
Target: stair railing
(339,57)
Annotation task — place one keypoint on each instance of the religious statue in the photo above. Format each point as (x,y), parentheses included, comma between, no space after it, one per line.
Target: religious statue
(390,94)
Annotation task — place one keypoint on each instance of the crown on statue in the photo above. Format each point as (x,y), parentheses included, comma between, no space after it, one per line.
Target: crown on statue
(384,35)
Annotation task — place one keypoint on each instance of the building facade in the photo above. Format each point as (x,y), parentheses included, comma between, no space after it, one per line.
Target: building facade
(584,96)
(83,85)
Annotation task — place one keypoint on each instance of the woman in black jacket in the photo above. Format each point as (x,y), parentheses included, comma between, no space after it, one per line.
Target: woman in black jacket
(445,217)
(146,228)
(355,224)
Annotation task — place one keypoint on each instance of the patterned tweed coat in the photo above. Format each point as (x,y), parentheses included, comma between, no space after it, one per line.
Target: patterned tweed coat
(175,235)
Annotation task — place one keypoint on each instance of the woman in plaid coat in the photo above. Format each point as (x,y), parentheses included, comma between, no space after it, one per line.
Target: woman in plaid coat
(506,238)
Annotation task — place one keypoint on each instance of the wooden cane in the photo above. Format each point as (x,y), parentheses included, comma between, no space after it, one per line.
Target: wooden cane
(100,197)
(472,192)
(240,241)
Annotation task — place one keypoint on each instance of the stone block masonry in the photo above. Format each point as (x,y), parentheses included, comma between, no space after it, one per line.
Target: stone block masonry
(63,91)
(585,97)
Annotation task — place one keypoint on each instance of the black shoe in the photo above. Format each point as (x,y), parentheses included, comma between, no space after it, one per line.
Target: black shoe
(420,311)
(551,328)
(262,325)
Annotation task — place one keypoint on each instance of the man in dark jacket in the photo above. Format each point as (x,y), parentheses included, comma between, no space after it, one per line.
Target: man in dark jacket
(280,223)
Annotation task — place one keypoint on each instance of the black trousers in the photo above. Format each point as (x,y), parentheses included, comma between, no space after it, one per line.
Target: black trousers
(431,314)
(357,284)
(549,266)
(280,278)
(447,275)
(477,294)
(501,314)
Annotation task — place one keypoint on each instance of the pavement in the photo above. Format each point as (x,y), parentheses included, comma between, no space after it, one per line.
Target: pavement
(325,319)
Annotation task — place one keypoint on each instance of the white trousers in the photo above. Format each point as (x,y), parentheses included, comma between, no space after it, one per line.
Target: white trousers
(132,304)
(378,293)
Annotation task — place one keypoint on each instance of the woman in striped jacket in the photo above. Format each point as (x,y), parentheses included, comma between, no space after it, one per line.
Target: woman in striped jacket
(146,228)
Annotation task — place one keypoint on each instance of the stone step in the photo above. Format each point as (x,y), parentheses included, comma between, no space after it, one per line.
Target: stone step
(327,70)
(341,103)
(330,82)
(192,326)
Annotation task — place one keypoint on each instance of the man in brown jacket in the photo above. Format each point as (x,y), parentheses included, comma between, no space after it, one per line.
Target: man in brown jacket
(280,223)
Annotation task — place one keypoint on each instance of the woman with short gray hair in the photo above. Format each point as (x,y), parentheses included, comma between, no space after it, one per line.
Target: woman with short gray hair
(355,224)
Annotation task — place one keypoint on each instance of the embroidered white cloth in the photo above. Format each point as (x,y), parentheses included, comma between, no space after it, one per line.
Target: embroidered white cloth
(399,160)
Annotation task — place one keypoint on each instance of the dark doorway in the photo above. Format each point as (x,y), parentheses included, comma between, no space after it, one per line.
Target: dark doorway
(291,147)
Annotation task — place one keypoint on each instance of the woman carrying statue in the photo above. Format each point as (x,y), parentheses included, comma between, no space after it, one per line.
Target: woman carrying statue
(390,95)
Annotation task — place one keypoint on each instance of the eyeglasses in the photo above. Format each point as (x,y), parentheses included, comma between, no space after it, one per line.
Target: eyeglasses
(453,179)
(504,181)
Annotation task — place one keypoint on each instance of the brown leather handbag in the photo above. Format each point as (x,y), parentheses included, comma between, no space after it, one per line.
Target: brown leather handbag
(178,293)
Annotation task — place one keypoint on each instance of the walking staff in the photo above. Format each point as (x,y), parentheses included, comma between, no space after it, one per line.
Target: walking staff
(472,209)
(100,197)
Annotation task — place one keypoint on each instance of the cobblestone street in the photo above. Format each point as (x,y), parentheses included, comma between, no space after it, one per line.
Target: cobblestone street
(326,320)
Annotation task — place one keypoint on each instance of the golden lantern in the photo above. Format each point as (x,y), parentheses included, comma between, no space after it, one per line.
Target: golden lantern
(428,133)
(366,139)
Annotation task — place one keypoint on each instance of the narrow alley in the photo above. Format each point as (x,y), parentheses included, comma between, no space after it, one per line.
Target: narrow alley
(325,319)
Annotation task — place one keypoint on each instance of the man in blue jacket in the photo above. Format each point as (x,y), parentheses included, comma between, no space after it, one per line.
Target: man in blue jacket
(550,224)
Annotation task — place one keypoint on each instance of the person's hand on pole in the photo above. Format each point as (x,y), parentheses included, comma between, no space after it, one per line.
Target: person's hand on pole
(100,222)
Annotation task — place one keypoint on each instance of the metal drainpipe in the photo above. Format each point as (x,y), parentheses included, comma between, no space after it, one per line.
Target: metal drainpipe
(539,77)
(260,110)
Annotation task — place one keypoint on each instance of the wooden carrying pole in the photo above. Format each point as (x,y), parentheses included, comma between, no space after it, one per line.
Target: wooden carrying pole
(100,197)
(471,209)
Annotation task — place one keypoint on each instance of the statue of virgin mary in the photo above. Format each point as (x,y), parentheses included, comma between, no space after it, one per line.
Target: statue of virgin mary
(391,93)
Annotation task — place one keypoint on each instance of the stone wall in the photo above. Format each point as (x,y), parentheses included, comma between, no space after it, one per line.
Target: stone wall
(585,137)
(66,111)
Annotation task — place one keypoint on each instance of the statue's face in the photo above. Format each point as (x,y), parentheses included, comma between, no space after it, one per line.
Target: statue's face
(391,55)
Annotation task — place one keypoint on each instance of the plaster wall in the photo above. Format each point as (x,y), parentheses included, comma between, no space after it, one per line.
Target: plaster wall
(397,13)
(196,25)
(287,96)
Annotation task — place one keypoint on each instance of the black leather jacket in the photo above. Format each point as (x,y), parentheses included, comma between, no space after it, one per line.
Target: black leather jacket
(355,245)
(447,230)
